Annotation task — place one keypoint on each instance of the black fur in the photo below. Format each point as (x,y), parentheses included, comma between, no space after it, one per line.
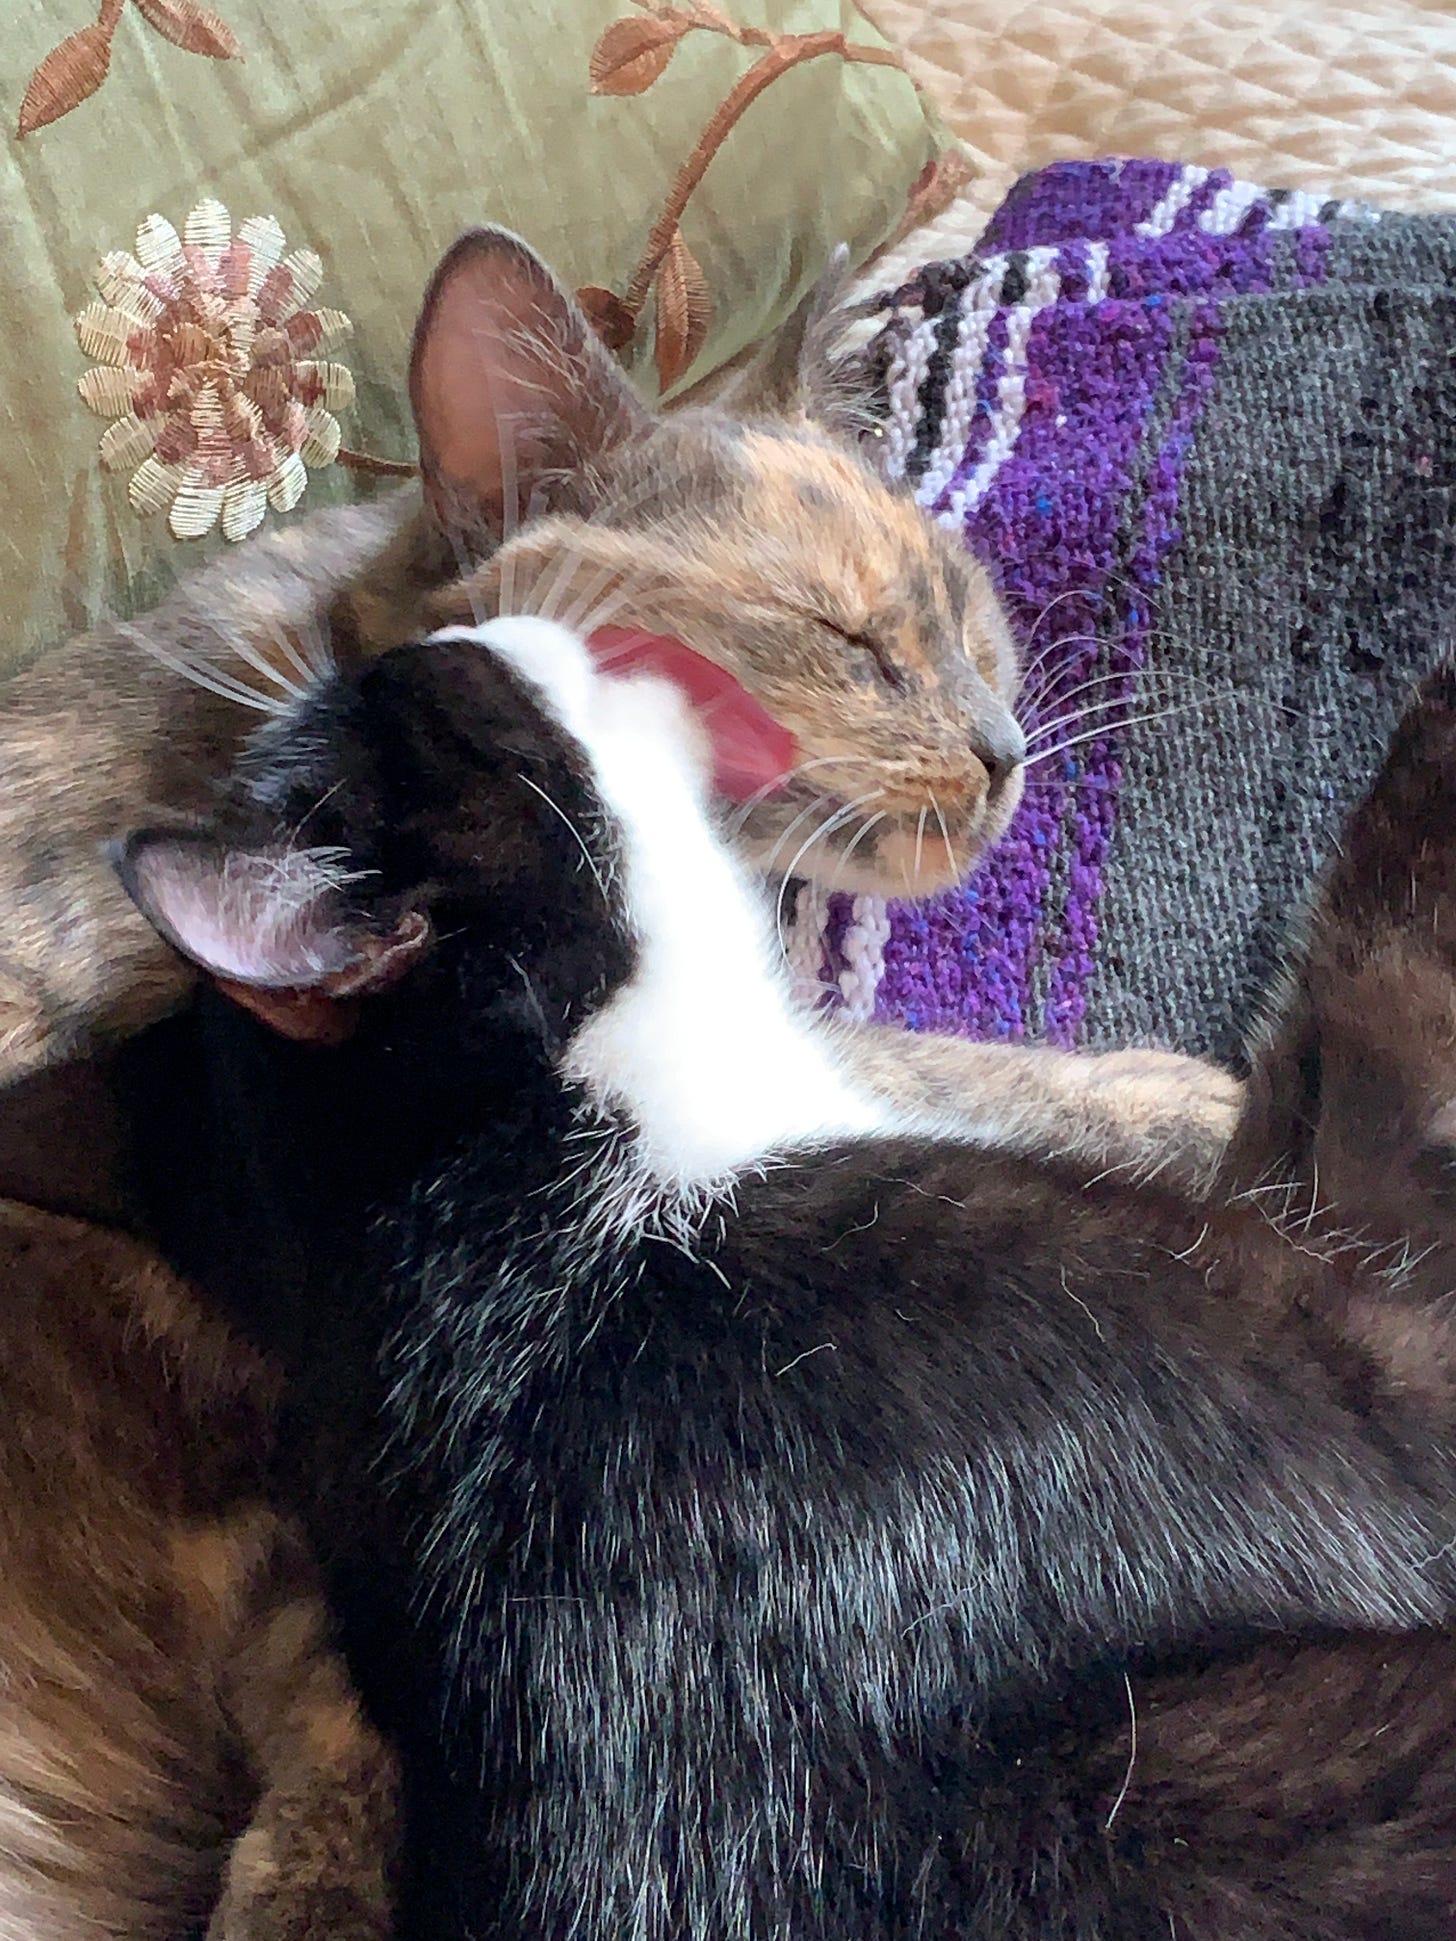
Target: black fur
(931,1544)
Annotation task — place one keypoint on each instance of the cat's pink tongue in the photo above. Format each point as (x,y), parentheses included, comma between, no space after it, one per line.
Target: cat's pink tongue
(752,754)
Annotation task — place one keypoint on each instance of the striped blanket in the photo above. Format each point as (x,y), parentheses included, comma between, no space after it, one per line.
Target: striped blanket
(1205,436)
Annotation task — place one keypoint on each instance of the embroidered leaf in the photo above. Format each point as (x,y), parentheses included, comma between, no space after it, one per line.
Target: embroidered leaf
(684,311)
(632,53)
(608,316)
(65,78)
(193,28)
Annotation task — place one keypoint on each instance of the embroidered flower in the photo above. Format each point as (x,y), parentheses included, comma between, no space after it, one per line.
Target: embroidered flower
(206,362)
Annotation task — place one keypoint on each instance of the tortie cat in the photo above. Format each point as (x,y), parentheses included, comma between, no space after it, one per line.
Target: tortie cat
(181,1751)
(754,1513)
(751,529)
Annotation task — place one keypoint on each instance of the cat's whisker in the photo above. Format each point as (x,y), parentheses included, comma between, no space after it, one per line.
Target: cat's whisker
(465,566)
(1030,702)
(587,601)
(920,838)
(1097,734)
(587,857)
(864,829)
(945,836)
(204,675)
(243,648)
(1059,724)
(543,606)
(308,675)
(604,613)
(818,803)
(746,808)
(1092,596)
(821,834)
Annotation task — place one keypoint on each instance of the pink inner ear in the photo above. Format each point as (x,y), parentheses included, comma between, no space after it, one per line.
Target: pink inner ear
(752,754)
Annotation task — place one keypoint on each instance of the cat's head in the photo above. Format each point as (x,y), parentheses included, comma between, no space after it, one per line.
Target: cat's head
(469,815)
(754,531)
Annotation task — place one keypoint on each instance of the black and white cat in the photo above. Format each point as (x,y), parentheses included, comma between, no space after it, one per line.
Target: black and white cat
(753,1516)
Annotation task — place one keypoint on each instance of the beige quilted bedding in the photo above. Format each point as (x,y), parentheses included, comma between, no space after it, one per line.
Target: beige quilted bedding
(1321,95)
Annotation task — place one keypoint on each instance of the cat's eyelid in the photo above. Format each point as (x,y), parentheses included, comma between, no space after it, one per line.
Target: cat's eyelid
(892,675)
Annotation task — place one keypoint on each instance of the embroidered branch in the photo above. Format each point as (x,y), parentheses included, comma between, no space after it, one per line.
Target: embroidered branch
(75,68)
(633,53)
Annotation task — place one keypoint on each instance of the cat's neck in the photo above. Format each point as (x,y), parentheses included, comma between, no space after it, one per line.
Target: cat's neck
(703,1048)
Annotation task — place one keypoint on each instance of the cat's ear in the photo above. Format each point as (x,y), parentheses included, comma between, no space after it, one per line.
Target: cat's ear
(515,397)
(273,929)
(797,372)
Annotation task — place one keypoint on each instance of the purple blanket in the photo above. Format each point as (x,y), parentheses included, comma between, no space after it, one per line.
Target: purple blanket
(1206,438)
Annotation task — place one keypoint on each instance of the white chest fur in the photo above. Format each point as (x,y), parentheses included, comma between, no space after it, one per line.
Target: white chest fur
(703,1048)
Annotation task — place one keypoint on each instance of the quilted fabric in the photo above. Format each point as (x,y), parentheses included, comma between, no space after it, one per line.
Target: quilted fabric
(1304,94)
(1206,437)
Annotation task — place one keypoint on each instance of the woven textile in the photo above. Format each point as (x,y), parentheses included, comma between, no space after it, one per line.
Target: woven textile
(1206,437)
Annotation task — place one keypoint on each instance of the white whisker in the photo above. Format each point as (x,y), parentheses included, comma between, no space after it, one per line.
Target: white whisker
(204,675)
(864,829)
(825,830)
(1129,721)
(945,836)
(587,856)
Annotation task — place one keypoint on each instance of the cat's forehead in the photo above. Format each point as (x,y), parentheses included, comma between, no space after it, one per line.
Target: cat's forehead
(786,483)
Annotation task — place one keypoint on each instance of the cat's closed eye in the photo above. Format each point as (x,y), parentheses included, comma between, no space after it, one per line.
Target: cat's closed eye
(893,676)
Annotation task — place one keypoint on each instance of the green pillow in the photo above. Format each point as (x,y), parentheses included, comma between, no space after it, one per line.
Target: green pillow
(360,137)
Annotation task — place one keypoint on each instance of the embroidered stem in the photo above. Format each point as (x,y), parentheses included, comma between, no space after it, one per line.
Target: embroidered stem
(383,468)
(792,51)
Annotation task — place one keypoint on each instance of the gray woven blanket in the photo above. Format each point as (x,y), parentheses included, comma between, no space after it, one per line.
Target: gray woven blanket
(1206,437)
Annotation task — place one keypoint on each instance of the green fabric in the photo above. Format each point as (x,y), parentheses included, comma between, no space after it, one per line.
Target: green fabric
(374,131)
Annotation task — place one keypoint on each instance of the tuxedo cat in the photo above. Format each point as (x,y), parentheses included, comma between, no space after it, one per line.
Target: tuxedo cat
(753,1511)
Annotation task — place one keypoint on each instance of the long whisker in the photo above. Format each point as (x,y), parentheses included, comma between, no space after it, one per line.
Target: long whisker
(812,808)
(587,601)
(204,675)
(556,808)
(1060,723)
(603,613)
(920,838)
(1130,721)
(1030,703)
(747,807)
(945,835)
(545,606)
(825,829)
(864,829)
(244,649)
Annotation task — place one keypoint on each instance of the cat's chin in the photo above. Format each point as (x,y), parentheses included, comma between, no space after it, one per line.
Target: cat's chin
(904,869)
(906,860)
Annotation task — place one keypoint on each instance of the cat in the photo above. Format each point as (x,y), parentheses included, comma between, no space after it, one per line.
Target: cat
(150,712)
(181,1751)
(752,528)
(753,1512)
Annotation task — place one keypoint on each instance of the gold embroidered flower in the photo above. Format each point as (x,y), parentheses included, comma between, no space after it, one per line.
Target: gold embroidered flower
(207,364)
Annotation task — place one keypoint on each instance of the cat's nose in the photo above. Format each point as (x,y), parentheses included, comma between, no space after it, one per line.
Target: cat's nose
(1000,747)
